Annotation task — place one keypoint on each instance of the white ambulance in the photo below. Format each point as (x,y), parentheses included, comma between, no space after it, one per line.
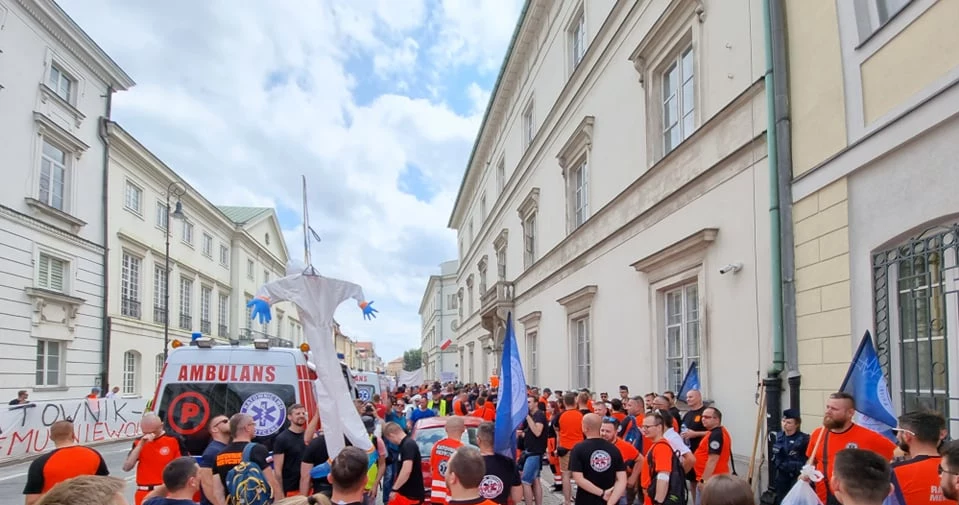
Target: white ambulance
(369,384)
(202,381)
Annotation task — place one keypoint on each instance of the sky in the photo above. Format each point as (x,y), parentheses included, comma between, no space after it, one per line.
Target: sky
(377,102)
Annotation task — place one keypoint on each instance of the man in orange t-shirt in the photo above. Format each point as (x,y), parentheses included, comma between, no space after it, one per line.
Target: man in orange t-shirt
(916,480)
(484,409)
(715,449)
(460,404)
(570,433)
(68,460)
(631,456)
(440,456)
(150,455)
(841,433)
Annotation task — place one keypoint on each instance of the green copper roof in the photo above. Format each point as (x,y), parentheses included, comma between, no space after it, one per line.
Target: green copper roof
(243,215)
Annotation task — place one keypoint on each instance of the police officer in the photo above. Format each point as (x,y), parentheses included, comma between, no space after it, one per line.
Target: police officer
(789,453)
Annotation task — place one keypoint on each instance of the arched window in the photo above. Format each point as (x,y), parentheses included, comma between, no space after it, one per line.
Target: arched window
(131,366)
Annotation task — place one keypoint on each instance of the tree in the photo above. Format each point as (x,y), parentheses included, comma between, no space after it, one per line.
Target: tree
(412,359)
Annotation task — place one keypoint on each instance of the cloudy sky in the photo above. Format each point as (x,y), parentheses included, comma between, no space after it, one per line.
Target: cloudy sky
(377,102)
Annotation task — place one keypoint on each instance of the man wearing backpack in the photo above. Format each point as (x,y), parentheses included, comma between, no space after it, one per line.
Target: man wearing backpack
(246,477)
(667,477)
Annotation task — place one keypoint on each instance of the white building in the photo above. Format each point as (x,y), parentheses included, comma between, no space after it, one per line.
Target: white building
(438,313)
(219,256)
(620,165)
(55,85)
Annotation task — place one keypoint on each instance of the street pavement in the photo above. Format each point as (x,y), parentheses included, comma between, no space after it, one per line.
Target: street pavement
(14,476)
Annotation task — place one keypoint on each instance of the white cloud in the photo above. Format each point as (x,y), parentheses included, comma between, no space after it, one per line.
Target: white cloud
(242,97)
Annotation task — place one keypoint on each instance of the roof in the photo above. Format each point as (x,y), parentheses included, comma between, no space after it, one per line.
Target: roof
(364,345)
(243,215)
(395,361)
(489,107)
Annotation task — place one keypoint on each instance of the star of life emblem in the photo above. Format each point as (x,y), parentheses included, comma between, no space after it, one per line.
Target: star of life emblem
(490,487)
(268,412)
(600,461)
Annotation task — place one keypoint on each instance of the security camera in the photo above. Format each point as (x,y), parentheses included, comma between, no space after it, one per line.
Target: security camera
(732,267)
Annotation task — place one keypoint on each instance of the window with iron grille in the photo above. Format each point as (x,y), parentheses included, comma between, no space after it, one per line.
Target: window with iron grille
(682,332)
(130,286)
(223,313)
(206,300)
(186,303)
(159,293)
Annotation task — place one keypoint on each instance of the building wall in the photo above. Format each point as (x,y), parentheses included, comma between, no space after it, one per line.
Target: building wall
(438,316)
(57,320)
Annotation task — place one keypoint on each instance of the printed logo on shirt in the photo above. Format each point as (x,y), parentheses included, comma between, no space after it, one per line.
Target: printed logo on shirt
(852,445)
(696,419)
(714,445)
(600,461)
(490,487)
(268,412)
(442,468)
(164,451)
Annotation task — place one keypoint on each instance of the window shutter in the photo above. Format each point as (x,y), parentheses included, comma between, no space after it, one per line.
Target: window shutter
(56,274)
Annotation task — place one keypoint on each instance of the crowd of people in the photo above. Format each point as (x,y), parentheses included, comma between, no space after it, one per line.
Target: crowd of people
(623,450)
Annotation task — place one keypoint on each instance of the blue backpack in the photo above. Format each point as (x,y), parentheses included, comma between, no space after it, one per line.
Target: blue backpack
(246,484)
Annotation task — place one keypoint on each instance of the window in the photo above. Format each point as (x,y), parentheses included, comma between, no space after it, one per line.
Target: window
(158,368)
(451,302)
(61,83)
(682,332)
(529,240)
(51,273)
(49,362)
(163,216)
(266,276)
(279,323)
(501,263)
(581,353)
(130,286)
(249,269)
(459,302)
(186,304)
(531,353)
(529,130)
(132,198)
(472,234)
(130,366)
(206,300)
(580,194)
(577,39)
(482,277)
(159,294)
(678,101)
(501,175)
(188,233)
(249,310)
(224,255)
(207,245)
(53,175)
(223,313)
(874,14)
(483,206)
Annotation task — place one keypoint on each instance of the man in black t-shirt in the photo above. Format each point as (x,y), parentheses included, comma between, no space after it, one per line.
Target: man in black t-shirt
(411,489)
(534,440)
(316,454)
(288,448)
(597,466)
(693,431)
(501,480)
(242,429)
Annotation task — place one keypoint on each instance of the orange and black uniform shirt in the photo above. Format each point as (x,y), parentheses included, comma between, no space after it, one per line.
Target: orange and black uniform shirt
(439,457)
(717,442)
(154,457)
(570,428)
(855,437)
(629,453)
(917,481)
(487,413)
(59,465)
(459,408)
(660,458)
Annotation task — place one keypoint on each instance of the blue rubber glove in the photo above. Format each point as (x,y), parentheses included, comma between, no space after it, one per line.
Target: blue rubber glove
(320,471)
(368,311)
(261,309)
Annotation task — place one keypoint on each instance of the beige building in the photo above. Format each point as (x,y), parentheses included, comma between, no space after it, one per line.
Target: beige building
(344,345)
(394,367)
(616,203)
(874,94)
(219,257)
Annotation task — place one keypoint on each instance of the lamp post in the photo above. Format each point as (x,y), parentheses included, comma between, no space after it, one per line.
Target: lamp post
(172,189)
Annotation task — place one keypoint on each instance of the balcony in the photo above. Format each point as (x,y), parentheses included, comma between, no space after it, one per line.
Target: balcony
(159,315)
(222,331)
(205,327)
(186,322)
(130,308)
(495,303)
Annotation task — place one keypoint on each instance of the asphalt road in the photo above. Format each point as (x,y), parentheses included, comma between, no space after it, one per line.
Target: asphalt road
(13,477)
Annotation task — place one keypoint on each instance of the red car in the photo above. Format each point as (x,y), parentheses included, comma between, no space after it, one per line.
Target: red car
(427,432)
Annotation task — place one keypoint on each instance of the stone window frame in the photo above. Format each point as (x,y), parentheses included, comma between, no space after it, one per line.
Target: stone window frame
(579,305)
(530,324)
(500,245)
(574,154)
(528,210)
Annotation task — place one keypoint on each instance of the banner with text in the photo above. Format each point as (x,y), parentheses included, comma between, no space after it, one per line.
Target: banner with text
(25,429)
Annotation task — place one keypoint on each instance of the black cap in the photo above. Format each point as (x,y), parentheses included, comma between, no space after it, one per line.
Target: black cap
(791,414)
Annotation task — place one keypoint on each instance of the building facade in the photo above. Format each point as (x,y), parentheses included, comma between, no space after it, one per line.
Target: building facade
(55,85)
(219,256)
(344,345)
(438,314)
(365,358)
(875,115)
(616,203)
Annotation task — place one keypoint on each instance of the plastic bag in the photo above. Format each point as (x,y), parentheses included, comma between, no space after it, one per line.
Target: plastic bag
(802,492)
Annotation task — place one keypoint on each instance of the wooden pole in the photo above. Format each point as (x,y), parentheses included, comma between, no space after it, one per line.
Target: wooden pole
(760,415)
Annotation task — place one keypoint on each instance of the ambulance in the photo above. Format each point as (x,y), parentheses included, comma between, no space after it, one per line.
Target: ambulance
(369,384)
(202,380)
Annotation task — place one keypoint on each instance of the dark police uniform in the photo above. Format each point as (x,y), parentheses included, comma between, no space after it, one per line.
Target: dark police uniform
(789,456)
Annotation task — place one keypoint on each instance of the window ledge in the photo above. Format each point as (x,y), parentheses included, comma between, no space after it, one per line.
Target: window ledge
(581,140)
(46,127)
(69,306)
(530,204)
(47,93)
(72,223)
(531,320)
(46,389)
(580,299)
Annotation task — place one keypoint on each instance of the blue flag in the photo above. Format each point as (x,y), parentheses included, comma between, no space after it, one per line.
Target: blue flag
(690,382)
(867,384)
(512,407)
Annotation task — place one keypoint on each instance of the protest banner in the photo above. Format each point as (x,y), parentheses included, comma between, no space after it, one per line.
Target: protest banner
(24,429)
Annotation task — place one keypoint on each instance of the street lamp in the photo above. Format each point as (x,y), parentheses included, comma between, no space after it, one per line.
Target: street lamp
(172,189)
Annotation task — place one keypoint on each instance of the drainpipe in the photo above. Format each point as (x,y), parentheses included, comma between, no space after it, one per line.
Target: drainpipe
(105,315)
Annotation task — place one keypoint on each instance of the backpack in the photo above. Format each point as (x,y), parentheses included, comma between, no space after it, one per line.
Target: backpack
(677,478)
(245,482)
(632,434)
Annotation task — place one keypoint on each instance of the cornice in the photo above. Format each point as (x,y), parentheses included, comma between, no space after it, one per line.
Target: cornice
(49,229)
